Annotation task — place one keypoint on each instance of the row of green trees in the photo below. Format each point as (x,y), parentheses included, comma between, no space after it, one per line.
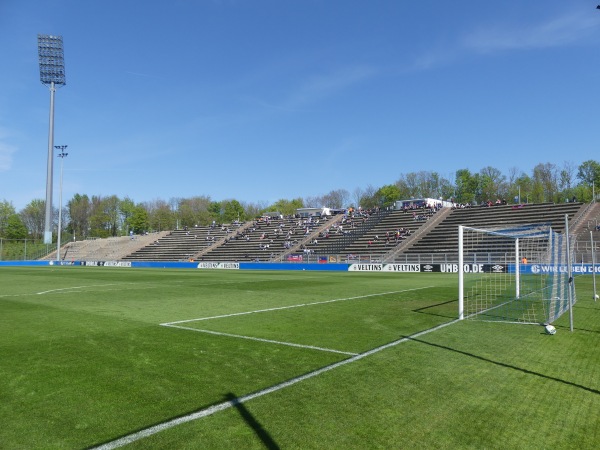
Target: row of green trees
(98,216)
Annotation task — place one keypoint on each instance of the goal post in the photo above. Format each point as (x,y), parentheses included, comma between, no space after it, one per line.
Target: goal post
(519,274)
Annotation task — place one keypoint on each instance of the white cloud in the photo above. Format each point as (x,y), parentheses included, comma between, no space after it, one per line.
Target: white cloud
(434,57)
(556,32)
(321,86)
(559,31)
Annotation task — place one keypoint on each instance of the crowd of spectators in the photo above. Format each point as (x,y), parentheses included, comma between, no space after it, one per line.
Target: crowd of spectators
(485,204)
(285,231)
(391,238)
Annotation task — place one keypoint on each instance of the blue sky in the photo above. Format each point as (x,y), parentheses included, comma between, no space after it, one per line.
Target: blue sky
(267,99)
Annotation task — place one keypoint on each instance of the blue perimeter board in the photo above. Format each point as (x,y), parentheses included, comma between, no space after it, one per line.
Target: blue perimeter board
(577,269)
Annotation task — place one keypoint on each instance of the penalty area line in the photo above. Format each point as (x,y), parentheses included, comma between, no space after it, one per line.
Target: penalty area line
(292,306)
(270,341)
(126,440)
(77,287)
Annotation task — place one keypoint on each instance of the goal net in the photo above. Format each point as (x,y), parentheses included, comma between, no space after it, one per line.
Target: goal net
(518,274)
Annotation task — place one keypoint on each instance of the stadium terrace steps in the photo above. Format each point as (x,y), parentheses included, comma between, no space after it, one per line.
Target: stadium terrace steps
(268,240)
(112,248)
(381,237)
(587,223)
(240,230)
(410,221)
(182,245)
(431,223)
(327,225)
(443,239)
(340,235)
(265,240)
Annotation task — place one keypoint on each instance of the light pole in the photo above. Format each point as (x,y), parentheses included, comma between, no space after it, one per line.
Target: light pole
(62,156)
(52,74)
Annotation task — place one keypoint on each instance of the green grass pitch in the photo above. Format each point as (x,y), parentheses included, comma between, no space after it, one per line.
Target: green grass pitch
(188,359)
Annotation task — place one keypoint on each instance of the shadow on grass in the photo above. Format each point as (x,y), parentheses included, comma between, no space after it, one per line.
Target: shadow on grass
(110,443)
(566,328)
(508,366)
(230,399)
(258,429)
(426,309)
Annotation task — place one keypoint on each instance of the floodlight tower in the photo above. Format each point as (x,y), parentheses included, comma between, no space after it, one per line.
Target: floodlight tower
(62,156)
(52,74)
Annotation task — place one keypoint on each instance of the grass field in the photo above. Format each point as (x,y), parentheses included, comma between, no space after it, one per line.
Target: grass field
(188,359)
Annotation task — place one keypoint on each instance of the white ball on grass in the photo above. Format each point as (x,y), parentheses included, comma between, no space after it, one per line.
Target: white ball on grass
(550,329)
(596,297)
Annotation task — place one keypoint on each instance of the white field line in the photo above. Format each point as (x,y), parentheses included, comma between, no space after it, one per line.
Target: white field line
(250,338)
(125,440)
(61,289)
(122,284)
(77,287)
(290,344)
(291,306)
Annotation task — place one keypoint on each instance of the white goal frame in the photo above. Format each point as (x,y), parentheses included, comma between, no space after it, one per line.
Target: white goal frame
(505,276)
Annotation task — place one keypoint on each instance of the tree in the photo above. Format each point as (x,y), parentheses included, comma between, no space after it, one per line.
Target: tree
(338,198)
(195,211)
(313,202)
(368,200)
(545,183)
(138,221)
(215,212)
(100,218)
(15,229)
(286,207)
(126,210)
(79,208)
(254,209)
(433,185)
(524,186)
(423,184)
(160,216)
(589,172)
(567,176)
(232,211)
(512,190)
(33,217)
(492,184)
(466,187)
(387,195)
(357,195)
(6,210)
(409,185)
(111,209)
(446,188)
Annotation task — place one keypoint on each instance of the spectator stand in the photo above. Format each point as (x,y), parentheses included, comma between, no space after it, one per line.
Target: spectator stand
(338,237)
(179,245)
(240,230)
(586,228)
(264,240)
(299,246)
(440,243)
(112,248)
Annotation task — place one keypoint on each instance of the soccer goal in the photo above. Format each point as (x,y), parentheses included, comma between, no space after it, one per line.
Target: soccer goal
(518,274)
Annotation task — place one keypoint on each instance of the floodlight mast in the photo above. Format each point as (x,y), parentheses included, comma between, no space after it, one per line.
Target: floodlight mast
(52,74)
